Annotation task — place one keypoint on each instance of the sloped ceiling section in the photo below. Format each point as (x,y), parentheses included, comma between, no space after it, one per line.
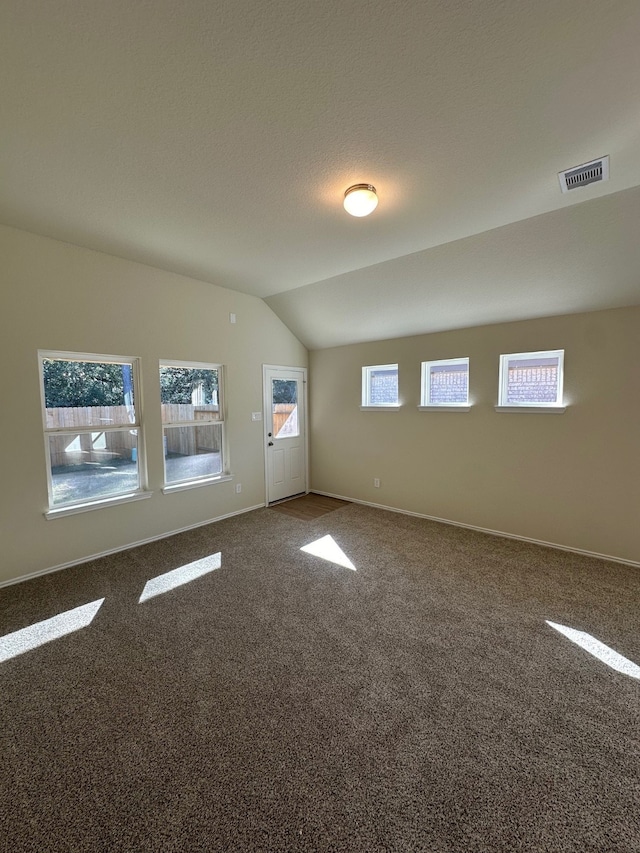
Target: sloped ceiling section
(582,258)
(217,139)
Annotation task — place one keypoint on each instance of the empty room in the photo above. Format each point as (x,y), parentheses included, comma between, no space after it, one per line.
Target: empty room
(320,443)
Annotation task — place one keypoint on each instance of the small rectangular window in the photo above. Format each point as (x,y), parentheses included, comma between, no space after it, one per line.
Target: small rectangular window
(380,385)
(193,422)
(445,382)
(531,379)
(91,426)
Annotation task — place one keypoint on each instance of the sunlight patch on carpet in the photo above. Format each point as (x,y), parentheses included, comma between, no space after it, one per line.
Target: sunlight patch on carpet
(598,650)
(180,576)
(328,549)
(43,632)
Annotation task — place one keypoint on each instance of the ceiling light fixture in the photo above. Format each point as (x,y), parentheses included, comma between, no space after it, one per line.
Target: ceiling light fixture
(360,200)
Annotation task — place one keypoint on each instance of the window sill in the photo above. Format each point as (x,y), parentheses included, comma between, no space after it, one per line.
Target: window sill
(379,408)
(529,410)
(461,408)
(62,511)
(194,484)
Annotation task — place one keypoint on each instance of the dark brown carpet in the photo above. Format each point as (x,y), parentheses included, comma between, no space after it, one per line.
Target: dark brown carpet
(309,507)
(283,703)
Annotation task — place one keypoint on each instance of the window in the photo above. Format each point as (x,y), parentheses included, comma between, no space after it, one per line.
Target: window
(380,386)
(284,404)
(531,380)
(445,384)
(92,428)
(192,419)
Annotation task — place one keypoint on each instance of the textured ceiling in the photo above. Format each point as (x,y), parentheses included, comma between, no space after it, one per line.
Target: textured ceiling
(216,139)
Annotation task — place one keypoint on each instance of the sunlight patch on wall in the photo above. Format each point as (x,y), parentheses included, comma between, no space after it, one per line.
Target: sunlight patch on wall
(43,632)
(328,549)
(180,576)
(598,650)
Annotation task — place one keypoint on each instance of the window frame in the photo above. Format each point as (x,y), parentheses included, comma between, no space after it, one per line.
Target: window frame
(98,502)
(205,479)
(425,387)
(504,405)
(366,404)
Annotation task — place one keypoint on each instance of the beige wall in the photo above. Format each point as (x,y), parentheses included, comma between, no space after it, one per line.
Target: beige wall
(60,297)
(570,479)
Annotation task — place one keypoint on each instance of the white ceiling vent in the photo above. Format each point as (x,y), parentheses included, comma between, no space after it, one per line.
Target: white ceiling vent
(582,176)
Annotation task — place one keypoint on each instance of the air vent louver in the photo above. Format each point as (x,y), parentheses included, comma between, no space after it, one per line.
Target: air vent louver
(582,176)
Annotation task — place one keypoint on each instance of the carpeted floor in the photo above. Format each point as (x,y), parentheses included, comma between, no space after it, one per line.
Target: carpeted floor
(281,702)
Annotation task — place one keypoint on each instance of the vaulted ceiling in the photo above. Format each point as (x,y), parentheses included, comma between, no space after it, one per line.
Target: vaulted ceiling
(216,139)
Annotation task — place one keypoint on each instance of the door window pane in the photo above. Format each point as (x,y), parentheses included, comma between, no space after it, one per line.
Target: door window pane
(284,397)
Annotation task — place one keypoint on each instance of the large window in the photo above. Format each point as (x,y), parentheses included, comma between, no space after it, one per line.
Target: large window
(445,383)
(531,379)
(92,428)
(380,386)
(193,422)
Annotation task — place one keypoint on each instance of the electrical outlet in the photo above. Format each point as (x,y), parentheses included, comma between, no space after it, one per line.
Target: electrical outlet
(376,483)
(238,488)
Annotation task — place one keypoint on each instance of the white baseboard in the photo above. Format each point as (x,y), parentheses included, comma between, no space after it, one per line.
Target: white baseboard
(128,547)
(501,533)
(484,530)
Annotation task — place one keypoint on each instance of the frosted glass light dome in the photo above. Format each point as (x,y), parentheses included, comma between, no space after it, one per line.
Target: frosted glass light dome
(360,200)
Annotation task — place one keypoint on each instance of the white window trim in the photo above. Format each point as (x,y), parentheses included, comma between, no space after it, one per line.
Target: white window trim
(194,484)
(532,410)
(425,387)
(556,407)
(206,479)
(74,509)
(381,407)
(446,407)
(366,404)
(95,503)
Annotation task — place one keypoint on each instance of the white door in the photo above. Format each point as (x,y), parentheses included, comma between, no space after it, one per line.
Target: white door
(285,431)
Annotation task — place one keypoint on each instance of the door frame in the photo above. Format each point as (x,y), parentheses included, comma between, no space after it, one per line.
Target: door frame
(266,401)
